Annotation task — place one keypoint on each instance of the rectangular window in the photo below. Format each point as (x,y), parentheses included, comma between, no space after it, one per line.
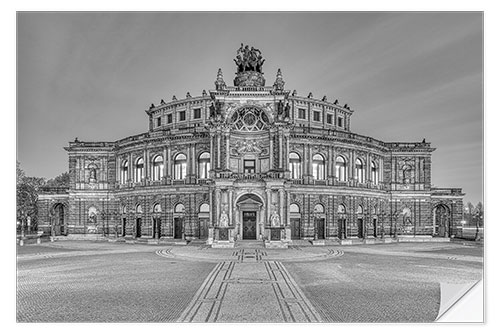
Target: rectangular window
(316,115)
(302,113)
(169,118)
(340,122)
(329,118)
(182,115)
(249,166)
(158,122)
(197,113)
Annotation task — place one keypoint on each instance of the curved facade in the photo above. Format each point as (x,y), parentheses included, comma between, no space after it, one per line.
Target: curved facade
(250,161)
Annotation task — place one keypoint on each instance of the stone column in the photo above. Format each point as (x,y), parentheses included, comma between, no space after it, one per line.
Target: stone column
(212,166)
(287,208)
(146,164)
(165,162)
(218,150)
(227,150)
(230,207)
(271,149)
(211,205)
(280,149)
(169,163)
(217,206)
(118,170)
(130,167)
(282,205)
(268,205)
(368,167)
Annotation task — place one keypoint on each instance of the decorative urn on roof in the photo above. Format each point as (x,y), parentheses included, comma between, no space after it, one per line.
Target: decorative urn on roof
(249,63)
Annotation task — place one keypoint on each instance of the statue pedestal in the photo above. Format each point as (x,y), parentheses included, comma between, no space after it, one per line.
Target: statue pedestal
(223,237)
(275,237)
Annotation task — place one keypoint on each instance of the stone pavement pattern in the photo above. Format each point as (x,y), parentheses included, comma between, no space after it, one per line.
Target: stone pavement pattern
(106,282)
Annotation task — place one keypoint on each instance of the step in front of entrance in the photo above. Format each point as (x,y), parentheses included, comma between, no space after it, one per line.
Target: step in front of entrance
(249,244)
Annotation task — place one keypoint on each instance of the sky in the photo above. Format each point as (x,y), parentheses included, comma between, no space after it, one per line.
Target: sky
(407,76)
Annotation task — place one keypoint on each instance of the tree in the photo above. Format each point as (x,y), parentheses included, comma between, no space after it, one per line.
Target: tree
(469,210)
(60,181)
(27,197)
(478,218)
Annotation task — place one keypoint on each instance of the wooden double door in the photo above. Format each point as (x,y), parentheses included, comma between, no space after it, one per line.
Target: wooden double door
(249,224)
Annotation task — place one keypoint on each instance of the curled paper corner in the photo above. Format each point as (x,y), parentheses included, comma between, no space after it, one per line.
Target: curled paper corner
(452,294)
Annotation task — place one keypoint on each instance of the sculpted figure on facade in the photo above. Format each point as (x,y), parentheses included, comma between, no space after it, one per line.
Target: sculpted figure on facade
(248,59)
(275,219)
(224,219)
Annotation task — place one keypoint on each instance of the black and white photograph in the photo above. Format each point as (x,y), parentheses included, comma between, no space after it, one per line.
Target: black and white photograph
(248,167)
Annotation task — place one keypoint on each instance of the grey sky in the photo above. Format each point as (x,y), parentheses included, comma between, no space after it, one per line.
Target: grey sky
(406,75)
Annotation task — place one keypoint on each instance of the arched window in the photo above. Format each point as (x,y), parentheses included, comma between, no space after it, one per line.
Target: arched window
(294,209)
(319,209)
(124,172)
(139,170)
(157,208)
(359,211)
(341,209)
(124,210)
(179,208)
(318,167)
(340,169)
(374,171)
(157,167)
(205,208)
(360,172)
(138,209)
(295,166)
(180,164)
(204,165)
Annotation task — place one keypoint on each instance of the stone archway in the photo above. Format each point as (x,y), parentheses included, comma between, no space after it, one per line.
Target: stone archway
(58,219)
(249,211)
(441,223)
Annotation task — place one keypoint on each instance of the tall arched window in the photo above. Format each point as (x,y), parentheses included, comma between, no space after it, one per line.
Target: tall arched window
(139,170)
(340,169)
(341,209)
(294,164)
(124,172)
(204,165)
(318,167)
(157,208)
(374,171)
(360,172)
(157,167)
(180,165)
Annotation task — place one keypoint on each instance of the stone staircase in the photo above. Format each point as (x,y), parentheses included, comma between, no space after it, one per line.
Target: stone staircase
(249,244)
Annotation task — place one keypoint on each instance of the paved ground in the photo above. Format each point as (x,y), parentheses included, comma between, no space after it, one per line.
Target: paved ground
(109,282)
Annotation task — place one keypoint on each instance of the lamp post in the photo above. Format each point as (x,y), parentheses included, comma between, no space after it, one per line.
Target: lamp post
(103,216)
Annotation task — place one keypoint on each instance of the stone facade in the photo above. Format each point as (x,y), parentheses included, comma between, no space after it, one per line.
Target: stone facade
(222,166)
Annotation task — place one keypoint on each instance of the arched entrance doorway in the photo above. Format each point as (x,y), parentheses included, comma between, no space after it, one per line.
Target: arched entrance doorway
(179,214)
(319,221)
(249,210)
(342,222)
(441,220)
(58,221)
(157,221)
(138,221)
(360,222)
(295,221)
(203,218)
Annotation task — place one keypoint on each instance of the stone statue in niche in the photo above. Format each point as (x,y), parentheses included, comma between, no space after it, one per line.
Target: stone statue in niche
(93,176)
(287,110)
(92,217)
(280,109)
(224,219)
(275,219)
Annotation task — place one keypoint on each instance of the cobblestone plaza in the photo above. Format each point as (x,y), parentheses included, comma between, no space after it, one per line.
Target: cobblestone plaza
(72,281)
